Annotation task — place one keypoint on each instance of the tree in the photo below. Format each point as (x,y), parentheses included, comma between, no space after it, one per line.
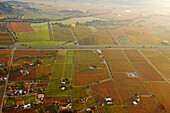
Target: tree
(42,109)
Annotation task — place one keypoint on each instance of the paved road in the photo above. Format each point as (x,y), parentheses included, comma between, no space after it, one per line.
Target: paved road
(86,47)
(11,59)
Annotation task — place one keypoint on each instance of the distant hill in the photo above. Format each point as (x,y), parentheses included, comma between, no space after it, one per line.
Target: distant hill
(15,8)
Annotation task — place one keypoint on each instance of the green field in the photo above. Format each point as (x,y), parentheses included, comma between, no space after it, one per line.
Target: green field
(124,40)
(81,32)
(99,38)
(40,33)
(92,28)
(62,34)
(42,43)
(62,69)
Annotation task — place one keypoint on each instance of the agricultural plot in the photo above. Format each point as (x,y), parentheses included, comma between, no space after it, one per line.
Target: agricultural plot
(134,56)
(108,90)
(62,70)
(81,32)
(124,40)
(128,86)
(40,33)
(143,38)
(81,93)
(158,60)
(114,109)
(167,52)
(117,61)
(84,75)
(161,92)
(86,56)
(101,27)
(93,29)
(33,64)
(5,38)
(20,27)
(148,104)
(99,38)
(62,34)
(147,72)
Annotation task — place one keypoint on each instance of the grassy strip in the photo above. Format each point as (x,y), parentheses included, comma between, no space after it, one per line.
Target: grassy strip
(42,43)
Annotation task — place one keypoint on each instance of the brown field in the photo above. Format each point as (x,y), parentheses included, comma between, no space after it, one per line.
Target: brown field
(144,38)
(129,86)
(161,92)
(101,27)
(135,56)
(20,27)
(41,72)
(112,109)
(4,55)
(107,89)
(81,32)
(167,52)
(5,38)
(2,87)
(117,32)
(148,105)
(99,38)
(117,61)
(159,60)
(34,53)
(147,72)
(86,56)
(85,76)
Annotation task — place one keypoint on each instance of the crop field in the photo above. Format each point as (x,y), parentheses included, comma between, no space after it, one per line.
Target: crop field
(86,56)
(117,32)
(117,61)
(128,86)
(20,27)
(80,91)
(81,32)
(134,56)
(113,109)
(158,60)
(77,105)
(40,33)
(124,40)
(149,105)
(93,29)
(84,75)
(100,38)
(5,38)
(4,56)
(62,69)
(167,52)
(147,72)
(101,27)
(108,89)
(161,92)
(62,34)
(143,38)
